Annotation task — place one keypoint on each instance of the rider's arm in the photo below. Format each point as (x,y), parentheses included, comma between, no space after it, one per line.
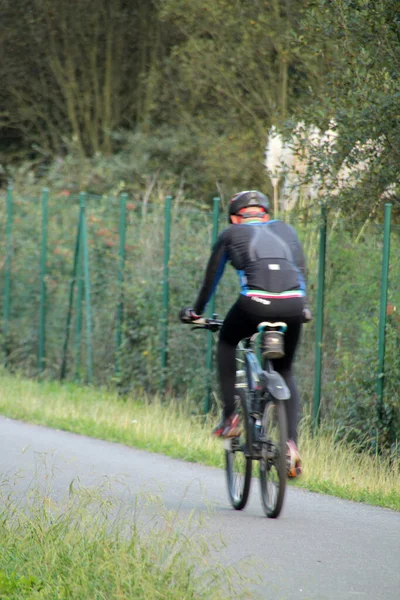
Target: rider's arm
(213,274)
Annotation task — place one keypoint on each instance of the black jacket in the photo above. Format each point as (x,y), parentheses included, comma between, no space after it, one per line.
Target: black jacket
(268,256)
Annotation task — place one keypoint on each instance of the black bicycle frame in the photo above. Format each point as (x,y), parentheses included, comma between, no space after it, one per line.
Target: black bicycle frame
(262,384)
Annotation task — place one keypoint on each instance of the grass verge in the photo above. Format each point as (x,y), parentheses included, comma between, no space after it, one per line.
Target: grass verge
(92,544)
(330,467)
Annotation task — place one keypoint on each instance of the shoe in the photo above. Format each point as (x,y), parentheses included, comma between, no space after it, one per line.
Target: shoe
(294,467)
(228,427)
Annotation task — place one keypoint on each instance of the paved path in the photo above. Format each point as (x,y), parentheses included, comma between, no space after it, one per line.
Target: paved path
(320,548)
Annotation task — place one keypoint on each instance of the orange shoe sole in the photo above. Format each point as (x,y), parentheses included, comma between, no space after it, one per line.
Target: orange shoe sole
(236,432)
(295,472)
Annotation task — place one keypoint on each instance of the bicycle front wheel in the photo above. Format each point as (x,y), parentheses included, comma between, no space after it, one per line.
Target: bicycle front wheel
(273,457)
(237,456)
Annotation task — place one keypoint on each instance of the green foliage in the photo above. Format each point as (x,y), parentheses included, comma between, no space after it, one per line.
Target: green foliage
(135,168)
(358,44)
(13,585)
(187,91)
(178,97)
(182,86)
(350,342)
(77,72)
(239,56)
(350,398)
(236,72)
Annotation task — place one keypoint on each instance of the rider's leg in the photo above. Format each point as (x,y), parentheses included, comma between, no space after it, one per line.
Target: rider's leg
(229,425)
(236,327)
(226,362)
(284,366)
(293,404)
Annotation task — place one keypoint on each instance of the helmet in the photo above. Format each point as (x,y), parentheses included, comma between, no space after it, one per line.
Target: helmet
(247,199)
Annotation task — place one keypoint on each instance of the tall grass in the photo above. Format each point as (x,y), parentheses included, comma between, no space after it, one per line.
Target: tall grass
(91,545)
(330,466)
(339,468)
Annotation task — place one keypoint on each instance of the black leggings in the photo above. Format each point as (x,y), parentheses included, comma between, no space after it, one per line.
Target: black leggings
(241,322)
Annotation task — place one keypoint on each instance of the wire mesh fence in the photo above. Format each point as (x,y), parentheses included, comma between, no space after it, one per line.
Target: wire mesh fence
(112,317)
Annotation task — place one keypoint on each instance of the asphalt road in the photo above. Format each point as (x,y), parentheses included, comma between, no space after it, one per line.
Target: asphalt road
(320,548)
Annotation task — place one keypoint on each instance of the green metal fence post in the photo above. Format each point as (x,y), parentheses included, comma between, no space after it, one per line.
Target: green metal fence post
(120,307)
(165,299)
(7,282)
(383,303)
(210,340)
(88,307)
(42,307)
(63,370)
(78,316)
(319,319)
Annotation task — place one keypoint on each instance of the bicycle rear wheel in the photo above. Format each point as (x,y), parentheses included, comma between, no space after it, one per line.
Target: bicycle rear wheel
(273,457)
(238,460)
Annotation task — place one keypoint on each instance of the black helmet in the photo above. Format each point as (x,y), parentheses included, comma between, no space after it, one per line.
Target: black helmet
(247,199)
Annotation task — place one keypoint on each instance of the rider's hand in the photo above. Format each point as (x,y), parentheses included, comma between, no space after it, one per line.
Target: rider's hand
(307,316)
(187,315)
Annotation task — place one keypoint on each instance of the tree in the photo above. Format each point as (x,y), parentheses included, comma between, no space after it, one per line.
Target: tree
(360,90)
(77,69)
(235,70)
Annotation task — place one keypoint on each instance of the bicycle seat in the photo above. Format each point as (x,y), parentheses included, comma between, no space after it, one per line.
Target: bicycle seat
(267,325)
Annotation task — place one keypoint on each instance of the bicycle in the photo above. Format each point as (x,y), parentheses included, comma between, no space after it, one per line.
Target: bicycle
(260,394)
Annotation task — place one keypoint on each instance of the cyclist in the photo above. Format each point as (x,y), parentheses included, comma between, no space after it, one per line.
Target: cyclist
(269,260)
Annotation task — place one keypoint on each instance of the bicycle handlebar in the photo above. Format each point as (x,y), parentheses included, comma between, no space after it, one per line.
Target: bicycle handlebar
(212,324)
